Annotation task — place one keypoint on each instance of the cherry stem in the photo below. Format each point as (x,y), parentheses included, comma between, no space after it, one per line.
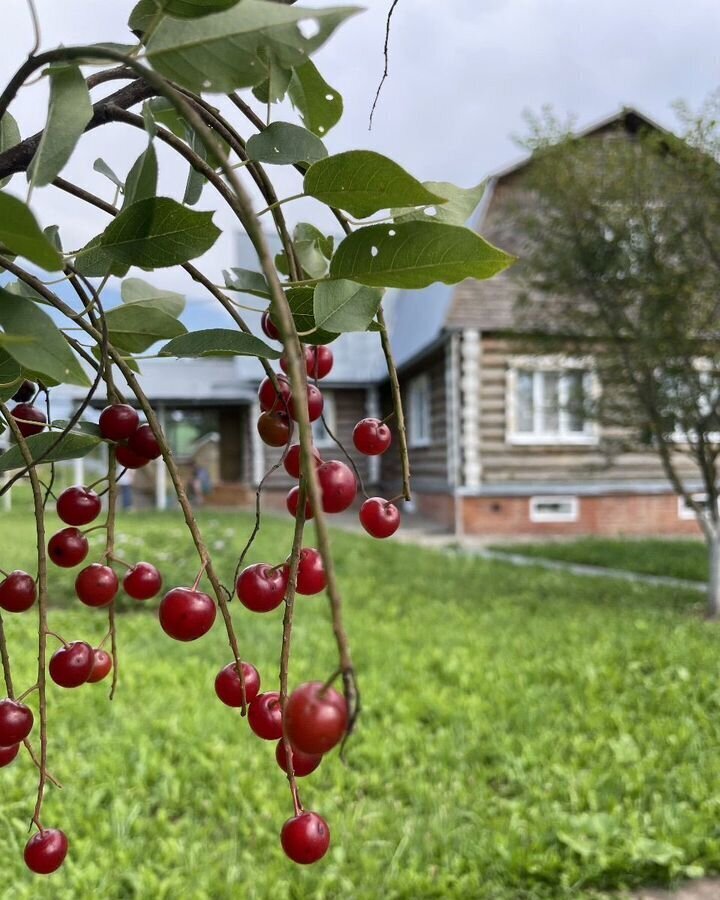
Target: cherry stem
(199,575)
(397,402)
(394,500)
(3,572)
(61,639)
(102,527)
(120,562)
(102,642)
(328,684)
(96,483)
(27,693)
(389,417)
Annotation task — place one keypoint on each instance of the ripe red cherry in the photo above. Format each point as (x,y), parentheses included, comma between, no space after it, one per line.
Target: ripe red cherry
(275,428)
(143,442)
(45,852)
(17,592)
(118,422)
(96,585)
(285,366)
(34,420)
(315,404)
(185,614)
(78,505)
(142,582)
(338,486)
(129,459)
(305,838)
(265,716)
(372,437)
(266,323)
(291,501)
(379,517)
(311,572)
(8,754)
(68,548)
(321,361)
(16,722)
(303,763)
(292,460)
(269,397)
(229,689)
(102,664)
(315,717)
(71,666)
(261,588)
(25,392)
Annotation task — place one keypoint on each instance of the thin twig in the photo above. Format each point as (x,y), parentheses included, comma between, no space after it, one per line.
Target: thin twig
(397,403)
(385,55)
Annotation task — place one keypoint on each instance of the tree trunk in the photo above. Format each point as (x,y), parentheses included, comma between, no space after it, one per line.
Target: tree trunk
(713,588)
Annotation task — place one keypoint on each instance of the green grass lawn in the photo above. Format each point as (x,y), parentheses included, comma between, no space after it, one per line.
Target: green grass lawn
(525,734)
(681,558)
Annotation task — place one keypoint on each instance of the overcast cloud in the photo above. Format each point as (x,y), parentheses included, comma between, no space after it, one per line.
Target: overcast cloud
(461,74)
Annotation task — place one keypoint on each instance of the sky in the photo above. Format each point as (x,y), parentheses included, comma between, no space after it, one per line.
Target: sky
(462,73)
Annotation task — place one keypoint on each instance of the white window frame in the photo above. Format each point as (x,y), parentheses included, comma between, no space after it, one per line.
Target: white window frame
(555,363)
(321,438)
(537,515)
(686,513)
(419,386)
(703,365)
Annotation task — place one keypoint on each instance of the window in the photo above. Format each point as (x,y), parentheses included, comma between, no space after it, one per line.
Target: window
(547,402)
(419,411)
(321,436)
(554,509)
(686,512)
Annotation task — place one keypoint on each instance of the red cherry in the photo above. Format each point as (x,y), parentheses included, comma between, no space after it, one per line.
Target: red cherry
(34,419)
(118,422)
(143,442)
(16,722)
(68,548)
(17,592)
(78,505)
(292,460)
(45,852)
(274,428)
(321,361)
(303,763)
(71,666)
(8,754)
(265,717)
(284,365)
(305,838)
(96,585)
(291,501)
(129,459)
(102,664)
(261,588)
(311,572)
(315,717)
(379,517)
(372,437)
(315,404)
(142,582)
(267,325)
(269,397)
(338,486)
(229,689)
(185,614)
(25,392)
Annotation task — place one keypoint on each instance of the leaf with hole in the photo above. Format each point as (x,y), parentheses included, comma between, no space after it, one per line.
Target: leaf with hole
(461,204)
(72,446)
(21,234)
(219,342)
(135,290)
(246,282)
(363,182)
(69,111)
(137,326)
(285,144)
(319,105)
(345,305)
(415,255)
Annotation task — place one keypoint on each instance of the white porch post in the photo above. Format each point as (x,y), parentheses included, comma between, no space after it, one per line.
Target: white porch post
(470,428)
(257,446)
(7,498)
(372,411)
(160,470)
(79,471)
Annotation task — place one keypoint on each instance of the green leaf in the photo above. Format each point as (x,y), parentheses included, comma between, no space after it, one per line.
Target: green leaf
(95,262)
(11,376)
(363,182)
(219,342)
(461,204)
(157,233)
(136,326)
(319,105)
(135,290)
(72,446)
(69,111)
(141,181)
(230,50)
(47,352)
(275,86)
(9,137)
(415,255)
(313,250)
(285,144)
(21,234)
(301,305)
(143,14)
(104,169)
(247,282)
(344,305)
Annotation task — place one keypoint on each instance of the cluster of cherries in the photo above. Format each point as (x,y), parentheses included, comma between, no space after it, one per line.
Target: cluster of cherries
(338,485)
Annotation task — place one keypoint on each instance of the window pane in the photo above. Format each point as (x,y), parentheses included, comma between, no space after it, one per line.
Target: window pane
(524,402)
(575,400)
(550,402)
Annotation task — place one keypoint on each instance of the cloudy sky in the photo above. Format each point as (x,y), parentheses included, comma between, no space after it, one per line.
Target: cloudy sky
(461,74)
